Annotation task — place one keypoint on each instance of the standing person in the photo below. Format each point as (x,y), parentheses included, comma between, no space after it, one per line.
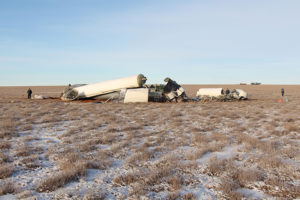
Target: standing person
(282,92)
(29,92)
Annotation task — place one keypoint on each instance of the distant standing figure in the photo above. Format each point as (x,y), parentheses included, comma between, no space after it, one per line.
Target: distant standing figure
(29,92)
(227,91)
(282,92)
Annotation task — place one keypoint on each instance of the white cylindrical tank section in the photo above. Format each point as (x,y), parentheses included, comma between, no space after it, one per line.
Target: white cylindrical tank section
(211,92)
(105,87)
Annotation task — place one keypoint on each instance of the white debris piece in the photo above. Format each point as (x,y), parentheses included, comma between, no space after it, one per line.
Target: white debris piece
(240,94)
(211,92)
(140,95)
(39,96)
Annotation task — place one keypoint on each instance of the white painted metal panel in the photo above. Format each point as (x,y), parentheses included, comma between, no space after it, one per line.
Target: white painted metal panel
(140,95)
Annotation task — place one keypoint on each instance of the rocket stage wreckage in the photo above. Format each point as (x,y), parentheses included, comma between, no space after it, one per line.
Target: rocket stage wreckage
(103,90)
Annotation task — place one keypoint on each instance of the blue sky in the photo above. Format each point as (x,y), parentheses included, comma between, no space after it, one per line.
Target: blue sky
(56,42)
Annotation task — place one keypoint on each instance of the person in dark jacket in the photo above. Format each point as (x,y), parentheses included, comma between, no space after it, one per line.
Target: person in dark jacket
(29,92)
(282,92)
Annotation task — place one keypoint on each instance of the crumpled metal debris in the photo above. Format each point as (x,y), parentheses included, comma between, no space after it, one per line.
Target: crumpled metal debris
(173,91)
(218,95)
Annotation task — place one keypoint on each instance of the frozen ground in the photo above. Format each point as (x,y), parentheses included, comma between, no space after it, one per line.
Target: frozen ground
(235,150)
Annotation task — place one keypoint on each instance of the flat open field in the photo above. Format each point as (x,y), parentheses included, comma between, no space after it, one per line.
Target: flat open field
(50,149)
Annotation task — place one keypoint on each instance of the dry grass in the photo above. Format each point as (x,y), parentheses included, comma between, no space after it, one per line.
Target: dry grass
(4,145)
(7,188)
(5,171)
(94,195)
(126,179)
(189,196)
(25,194)
(229,188)
(138,157)
(153,150)
(31,161)
(173,196)
(70,172)
(271,161)
(100,161)
(175,182)
(196,154)
(27,150)
(4,158)
(246,176)
(290,152)
(291,127)
(7,128)
(216,166)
